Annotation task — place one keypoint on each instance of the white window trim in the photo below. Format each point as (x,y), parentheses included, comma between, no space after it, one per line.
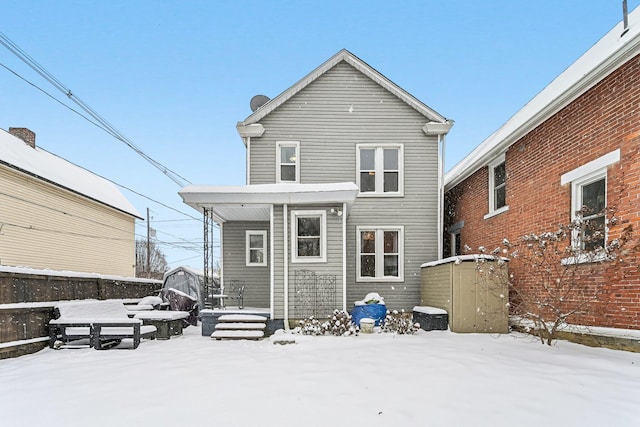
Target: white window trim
(279,145)
(379,164)
(576,205)
(593,166)
(492,165)
(582,175)
(248,248)
(380,254)
(294,236)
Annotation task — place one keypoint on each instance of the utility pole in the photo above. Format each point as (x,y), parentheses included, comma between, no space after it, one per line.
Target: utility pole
(148,246)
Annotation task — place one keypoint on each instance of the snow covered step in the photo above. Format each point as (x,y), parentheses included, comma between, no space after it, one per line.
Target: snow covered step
(240,326)
(238,335)
(247,318)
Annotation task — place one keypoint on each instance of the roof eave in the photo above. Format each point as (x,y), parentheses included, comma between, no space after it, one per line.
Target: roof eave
(497,143)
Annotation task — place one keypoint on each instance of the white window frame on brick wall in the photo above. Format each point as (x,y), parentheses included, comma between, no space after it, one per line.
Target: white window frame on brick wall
(579,177)
(295,161)
(249,248)
(379,253)
(379,169)
(322,215)
(492,187)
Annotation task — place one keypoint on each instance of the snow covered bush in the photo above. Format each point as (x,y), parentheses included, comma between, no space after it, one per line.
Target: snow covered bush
(399,323)
(339,324)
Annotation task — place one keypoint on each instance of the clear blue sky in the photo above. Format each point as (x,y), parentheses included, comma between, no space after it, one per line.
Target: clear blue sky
(176,76)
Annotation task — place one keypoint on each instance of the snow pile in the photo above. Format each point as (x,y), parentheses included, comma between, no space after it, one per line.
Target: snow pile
(370,298)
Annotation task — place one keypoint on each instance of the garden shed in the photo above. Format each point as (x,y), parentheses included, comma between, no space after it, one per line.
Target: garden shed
(475,300)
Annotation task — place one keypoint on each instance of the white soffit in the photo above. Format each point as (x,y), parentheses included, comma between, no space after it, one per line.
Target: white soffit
(251,202)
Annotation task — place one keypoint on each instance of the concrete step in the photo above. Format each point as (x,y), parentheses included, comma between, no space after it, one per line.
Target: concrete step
(246,318)
(240,326)
(237,335)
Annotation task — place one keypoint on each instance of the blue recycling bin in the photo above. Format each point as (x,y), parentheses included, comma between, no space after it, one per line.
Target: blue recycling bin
(376,312)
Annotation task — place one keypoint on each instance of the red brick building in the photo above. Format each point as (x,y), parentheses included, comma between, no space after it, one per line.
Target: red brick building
(576,143)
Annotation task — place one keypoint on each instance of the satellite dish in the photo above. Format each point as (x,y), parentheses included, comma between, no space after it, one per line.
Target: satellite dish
(258,101)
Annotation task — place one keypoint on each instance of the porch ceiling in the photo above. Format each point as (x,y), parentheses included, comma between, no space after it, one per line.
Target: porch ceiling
(252,202)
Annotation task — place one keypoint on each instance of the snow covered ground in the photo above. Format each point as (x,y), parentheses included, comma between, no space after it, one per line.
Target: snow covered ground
(433,378)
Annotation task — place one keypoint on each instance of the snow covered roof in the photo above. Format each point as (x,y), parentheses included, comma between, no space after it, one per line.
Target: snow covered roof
(358,64)
(457,259)
(16,154)
(607,55)
(251,202)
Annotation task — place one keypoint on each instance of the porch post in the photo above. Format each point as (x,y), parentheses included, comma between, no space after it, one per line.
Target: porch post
(344,257)
(271,266)
(285,262)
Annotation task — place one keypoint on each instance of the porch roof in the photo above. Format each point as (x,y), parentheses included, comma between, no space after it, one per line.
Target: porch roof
(252,202)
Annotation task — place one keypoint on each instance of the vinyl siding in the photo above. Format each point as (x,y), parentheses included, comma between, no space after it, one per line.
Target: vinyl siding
(47,227)
(329,117)
(256,278)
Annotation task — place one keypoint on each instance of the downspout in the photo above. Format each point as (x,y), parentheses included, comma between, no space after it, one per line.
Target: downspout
(248,159)
(344,257)
(440,129)
(285,262)
(440,193)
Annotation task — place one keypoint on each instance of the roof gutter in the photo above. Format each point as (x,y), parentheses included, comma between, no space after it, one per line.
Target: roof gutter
(502,139)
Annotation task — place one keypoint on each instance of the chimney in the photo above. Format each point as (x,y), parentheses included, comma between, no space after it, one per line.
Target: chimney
(24,134)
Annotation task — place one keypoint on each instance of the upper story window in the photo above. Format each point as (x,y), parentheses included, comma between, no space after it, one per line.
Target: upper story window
(256,248)
(497,187)
(380,169)
(380,254)
(589,199)
(309,236)
(288,161)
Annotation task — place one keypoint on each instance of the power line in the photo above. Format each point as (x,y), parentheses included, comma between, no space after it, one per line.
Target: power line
(103,123)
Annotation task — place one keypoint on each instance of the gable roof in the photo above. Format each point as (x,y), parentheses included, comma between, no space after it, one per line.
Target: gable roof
(358,64)
(607,55)
(39,163)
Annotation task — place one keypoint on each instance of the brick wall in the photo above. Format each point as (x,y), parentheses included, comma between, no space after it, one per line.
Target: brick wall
(605,118)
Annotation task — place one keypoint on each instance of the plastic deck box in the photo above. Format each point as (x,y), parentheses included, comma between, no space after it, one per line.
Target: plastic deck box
(431,318)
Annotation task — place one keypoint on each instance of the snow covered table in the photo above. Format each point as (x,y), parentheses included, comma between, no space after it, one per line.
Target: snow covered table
(167,323)
(97,321)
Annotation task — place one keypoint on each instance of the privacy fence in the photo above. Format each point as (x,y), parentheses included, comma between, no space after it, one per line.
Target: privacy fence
(27,300)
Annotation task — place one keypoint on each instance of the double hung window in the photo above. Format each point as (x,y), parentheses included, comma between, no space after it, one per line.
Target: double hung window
(288,161)
(256,248)
(497,187)
(380,253)
(589,200)
(309,236)
(380,169)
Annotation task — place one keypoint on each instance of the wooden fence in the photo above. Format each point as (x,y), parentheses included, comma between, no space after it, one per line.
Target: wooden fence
(27,301)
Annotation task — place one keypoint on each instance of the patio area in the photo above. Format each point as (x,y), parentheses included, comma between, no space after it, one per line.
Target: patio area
(431,378)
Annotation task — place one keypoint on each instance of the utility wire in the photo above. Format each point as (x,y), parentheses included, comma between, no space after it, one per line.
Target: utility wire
(104,124)
(98,125)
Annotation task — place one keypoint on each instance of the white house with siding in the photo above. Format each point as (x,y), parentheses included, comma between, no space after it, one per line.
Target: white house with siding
(56,215)
(343,194)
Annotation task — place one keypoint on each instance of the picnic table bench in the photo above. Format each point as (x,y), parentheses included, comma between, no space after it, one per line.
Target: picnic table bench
(168,323)
(97,321)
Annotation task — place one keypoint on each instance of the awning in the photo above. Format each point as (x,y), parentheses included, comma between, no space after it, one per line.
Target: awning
(253,202)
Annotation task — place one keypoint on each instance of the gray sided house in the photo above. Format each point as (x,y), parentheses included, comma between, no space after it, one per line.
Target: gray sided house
(343,194)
